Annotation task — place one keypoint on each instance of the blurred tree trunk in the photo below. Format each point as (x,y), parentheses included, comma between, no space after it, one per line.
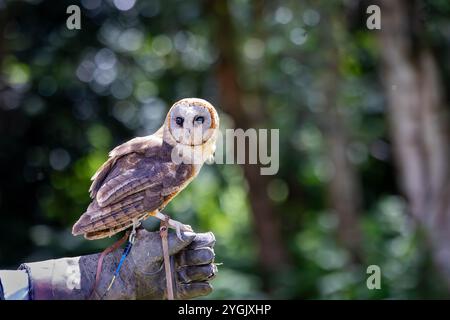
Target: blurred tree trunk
(272,252)
(344,186)
(418,123)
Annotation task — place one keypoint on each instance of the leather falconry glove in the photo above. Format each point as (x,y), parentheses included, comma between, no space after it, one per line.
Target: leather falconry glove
(142,275)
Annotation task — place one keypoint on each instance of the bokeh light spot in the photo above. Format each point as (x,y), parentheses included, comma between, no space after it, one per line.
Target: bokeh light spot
(254,49)
(124,5)
(283,15)
(59,159)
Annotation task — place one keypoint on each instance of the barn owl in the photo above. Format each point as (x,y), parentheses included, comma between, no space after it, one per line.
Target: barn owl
(144,174)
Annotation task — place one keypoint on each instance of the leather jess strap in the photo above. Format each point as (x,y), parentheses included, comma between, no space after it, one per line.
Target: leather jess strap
(163,231)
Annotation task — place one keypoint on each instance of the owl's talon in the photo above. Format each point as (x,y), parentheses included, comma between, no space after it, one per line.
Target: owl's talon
(178,231)
(178,226)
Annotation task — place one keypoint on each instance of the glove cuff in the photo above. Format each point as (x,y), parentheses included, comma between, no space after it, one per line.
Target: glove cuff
(54,279)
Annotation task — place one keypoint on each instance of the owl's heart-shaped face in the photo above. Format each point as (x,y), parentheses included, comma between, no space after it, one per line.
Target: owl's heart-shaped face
(192,121)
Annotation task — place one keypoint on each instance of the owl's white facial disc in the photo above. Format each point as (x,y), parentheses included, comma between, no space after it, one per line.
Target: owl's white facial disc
(190,123)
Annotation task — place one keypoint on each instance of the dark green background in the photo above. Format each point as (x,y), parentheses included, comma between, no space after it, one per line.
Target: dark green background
(68,96)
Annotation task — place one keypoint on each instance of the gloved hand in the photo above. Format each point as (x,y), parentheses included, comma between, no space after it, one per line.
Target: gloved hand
(142,275)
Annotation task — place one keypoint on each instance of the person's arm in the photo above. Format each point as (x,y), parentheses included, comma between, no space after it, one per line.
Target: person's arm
(142,275)
(14,285)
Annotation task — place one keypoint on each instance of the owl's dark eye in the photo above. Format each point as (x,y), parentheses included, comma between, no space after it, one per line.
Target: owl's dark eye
(179,121)
(200,119)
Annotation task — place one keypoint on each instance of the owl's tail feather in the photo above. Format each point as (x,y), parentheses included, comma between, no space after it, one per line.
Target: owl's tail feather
(101,233)
(99,223)
(106,232)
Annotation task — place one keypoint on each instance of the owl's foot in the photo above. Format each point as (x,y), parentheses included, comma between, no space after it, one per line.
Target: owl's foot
(178,226)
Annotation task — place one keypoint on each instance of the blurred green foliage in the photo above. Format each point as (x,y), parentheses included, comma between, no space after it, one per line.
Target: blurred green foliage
(68,97)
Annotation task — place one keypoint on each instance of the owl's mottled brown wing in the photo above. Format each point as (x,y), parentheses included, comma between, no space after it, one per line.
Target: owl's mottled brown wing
(135,183)
(146,145)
